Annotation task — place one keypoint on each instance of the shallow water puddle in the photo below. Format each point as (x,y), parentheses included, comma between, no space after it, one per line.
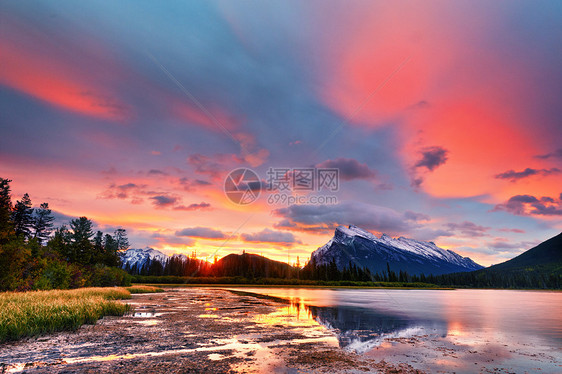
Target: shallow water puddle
(297,328)
(149,322)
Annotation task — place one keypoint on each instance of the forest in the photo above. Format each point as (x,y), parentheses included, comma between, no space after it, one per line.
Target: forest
(251,268)
(35,255)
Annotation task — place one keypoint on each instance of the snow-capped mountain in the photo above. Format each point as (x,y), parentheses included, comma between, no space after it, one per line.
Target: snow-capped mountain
(363,249)
(139,256)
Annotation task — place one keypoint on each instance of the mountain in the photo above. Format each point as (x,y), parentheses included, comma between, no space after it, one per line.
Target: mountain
(365,250)
(250,266)
(139,257)
(547,254)
(539,267)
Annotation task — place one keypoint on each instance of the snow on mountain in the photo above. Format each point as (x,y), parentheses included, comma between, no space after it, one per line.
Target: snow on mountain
(139,256)
(362,248)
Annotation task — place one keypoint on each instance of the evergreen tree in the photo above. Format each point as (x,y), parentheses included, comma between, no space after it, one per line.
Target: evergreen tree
(43,222)
(98,239)
(98,253)
(6,224)
(81,235)
(22,217)
(61,242)
(110,251)
(109,244)
(120,237)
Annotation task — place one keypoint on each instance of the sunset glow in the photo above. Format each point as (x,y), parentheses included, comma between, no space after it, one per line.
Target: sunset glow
(443,118)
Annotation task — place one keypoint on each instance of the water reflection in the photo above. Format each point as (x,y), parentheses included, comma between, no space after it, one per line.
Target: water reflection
(357,329)
(436,330)
(362,329)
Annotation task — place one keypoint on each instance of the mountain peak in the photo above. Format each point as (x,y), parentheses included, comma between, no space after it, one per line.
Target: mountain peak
(364,249)
(140,256)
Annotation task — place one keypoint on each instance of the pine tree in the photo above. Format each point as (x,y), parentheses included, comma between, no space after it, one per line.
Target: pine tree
(120,237)
(98,239)
(98,253)
(6,223)
(43,222)
(62,242)
(23,217)
(81,236)
(110,249)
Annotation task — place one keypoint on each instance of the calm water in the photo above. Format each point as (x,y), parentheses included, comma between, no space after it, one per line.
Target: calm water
(464,330)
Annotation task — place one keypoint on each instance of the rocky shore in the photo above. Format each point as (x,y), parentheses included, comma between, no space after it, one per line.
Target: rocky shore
(195,330)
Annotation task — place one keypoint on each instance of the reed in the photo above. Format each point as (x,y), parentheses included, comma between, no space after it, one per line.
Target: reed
(38,312)
(144,289)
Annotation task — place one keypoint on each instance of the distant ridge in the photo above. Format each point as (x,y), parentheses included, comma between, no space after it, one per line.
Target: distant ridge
(547,254)
(232,265)
(251,265)
(540,267)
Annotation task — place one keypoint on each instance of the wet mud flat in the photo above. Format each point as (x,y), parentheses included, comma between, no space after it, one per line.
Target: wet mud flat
(195,330)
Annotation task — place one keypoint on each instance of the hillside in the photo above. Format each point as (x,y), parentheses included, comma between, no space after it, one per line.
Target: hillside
(250,266)
(539,267)
(547,255)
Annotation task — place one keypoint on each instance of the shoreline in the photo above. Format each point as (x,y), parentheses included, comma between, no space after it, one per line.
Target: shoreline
(202,330)
(221,330)
(251,285)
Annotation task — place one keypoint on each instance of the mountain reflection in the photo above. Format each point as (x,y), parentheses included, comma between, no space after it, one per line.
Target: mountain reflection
(362,329)
(358,329)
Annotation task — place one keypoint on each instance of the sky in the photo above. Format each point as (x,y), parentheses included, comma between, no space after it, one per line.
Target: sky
(443,119)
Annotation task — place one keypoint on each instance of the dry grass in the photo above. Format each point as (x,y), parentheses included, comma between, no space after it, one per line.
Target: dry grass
(144,289)
(38,312)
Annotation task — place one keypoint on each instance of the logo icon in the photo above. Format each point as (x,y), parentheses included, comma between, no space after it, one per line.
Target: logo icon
(242,186)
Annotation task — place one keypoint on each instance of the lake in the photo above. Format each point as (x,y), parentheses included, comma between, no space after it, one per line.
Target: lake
(433,330)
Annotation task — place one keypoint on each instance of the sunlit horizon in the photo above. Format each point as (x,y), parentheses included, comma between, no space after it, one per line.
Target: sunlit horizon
(443,120)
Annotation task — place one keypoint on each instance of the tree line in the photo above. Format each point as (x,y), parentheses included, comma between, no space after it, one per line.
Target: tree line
(538,277)
(36,255)
(252,267)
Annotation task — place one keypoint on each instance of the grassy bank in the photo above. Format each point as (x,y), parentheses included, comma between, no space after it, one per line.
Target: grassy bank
(144,289)
(38,312)
(174,280)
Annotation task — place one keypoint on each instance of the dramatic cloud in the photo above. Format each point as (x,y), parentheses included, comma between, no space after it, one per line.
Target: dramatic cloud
(516,175)
(349,168)
(163,201)
(507,245)
(123,191)
(517,231)
(413,216)
(156,172)
(556,154)
(271,236)
(432,157)
(528,205)
(428,234)
(215,166)
(61,218)
(202,232)
(325,218)
(201,206)
(172,239)
(189,184)
(468,228)
(214,86)
(137,193)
